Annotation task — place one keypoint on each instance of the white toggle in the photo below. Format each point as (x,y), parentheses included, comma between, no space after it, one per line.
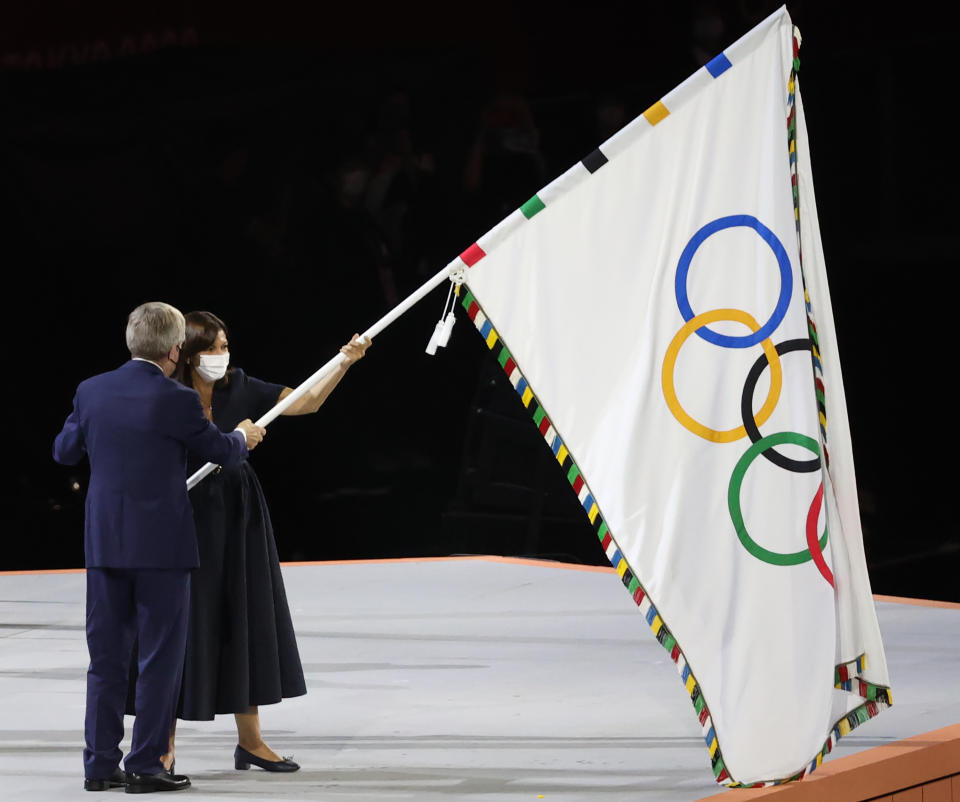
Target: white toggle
(434,338)
(441,331)
(446,329)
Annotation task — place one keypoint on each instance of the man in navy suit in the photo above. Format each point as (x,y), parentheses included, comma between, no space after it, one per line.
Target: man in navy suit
(136,426)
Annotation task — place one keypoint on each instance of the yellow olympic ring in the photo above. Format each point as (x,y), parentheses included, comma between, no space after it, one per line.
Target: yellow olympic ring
(670,360)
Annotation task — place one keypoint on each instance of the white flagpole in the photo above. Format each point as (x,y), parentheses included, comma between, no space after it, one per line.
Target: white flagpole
(447,272)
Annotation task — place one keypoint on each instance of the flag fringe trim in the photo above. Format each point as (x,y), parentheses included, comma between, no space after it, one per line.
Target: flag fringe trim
(847,676)
(877,698)
(819,386)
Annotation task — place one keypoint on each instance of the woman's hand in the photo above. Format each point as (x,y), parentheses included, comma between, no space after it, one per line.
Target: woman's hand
(355,349)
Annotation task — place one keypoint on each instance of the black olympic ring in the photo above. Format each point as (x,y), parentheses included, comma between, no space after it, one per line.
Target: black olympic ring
(746,409)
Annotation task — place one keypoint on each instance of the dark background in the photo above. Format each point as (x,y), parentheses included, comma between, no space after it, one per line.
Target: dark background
(298,172)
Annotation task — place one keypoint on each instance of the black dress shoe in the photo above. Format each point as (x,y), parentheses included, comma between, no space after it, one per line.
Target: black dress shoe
(242,759)
(147,783)
(115,780)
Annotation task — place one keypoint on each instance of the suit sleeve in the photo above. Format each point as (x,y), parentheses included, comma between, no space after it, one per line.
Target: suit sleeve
(70,447)
(205,440)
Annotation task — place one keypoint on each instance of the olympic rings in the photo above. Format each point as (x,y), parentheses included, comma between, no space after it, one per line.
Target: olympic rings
(786,280)
(746,406)
(698,323)
(814,550)
(670,393)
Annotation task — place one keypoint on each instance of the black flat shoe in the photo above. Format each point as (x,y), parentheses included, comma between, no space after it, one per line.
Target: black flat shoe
(115,780)
(242,760)
(148,783)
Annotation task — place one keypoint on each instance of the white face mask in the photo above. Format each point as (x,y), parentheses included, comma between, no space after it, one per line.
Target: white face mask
(211,367)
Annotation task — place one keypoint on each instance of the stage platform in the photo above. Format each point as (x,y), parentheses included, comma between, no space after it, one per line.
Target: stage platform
(453,679)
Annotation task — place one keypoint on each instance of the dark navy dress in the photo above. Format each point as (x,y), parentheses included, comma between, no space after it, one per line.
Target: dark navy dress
(241,648)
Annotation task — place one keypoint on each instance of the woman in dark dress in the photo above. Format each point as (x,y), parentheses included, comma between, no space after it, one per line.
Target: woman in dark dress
(241,648)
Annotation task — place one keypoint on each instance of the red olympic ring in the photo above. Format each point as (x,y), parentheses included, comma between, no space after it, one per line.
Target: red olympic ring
(812,515)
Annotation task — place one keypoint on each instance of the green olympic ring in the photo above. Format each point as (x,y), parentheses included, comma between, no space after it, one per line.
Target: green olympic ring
(733,498)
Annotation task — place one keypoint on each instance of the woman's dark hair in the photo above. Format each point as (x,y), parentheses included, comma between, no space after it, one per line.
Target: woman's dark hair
(201,331)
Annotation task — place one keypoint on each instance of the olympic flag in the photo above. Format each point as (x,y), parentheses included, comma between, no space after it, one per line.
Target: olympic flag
(662,311)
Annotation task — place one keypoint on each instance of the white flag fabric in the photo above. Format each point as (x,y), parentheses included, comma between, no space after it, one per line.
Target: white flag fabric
(662,311)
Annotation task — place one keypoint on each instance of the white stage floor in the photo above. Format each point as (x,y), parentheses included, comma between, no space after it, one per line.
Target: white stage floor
(466,679)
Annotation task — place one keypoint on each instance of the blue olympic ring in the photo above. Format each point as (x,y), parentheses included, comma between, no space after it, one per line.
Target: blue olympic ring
(786,280)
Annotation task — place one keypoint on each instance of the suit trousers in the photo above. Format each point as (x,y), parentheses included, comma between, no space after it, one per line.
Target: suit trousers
(151,605)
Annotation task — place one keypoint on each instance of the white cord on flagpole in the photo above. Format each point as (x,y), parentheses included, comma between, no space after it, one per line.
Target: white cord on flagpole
(444,326)
(404,306)
(438,329)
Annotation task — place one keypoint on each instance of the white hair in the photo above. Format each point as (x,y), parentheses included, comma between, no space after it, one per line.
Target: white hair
(153,329)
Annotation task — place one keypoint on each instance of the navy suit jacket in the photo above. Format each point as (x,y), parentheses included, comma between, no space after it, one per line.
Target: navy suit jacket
(136,427)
